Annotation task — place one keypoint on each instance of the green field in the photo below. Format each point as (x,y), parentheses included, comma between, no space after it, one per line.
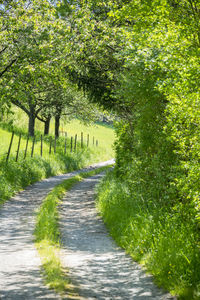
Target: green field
(15,176)
(103,133)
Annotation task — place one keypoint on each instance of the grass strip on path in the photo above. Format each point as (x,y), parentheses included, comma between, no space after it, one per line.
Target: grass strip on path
(47,235)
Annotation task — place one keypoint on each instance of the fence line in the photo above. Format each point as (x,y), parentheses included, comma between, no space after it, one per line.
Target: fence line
(72,145)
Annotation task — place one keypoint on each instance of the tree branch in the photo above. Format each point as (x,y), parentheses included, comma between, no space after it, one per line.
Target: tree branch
(8,66)
(40,119)
(20,105)
(3,49)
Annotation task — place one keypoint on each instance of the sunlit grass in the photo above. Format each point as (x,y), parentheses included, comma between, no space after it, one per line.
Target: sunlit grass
(5,139)
(105,134)
(15,176)
(164,240)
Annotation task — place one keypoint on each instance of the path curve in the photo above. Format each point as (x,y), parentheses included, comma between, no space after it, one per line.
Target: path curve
(20,264)
(97,267)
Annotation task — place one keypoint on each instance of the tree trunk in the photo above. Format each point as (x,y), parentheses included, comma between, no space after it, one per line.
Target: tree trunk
(47,126)
(2,116)
(32,116)
(31,124)
(57,125)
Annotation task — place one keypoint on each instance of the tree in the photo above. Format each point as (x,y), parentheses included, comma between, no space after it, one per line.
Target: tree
(92,52)
(160,90)
(30,54)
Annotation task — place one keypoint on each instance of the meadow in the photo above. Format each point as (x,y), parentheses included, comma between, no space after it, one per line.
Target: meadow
(100,131)
(15,176)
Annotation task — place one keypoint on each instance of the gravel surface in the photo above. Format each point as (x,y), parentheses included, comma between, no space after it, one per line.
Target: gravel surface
(97,267)
(20,264)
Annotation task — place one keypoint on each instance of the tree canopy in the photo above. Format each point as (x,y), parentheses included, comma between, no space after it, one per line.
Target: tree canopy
(138,58)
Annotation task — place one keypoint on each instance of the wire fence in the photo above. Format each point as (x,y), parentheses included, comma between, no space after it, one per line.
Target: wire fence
(46,145)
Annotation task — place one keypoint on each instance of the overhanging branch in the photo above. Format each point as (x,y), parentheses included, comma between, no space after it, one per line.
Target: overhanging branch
(8,67)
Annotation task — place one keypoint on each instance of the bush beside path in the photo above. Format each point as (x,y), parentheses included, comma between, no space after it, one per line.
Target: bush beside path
(97,266)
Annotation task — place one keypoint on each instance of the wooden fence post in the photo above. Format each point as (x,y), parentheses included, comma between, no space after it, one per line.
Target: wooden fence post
(65,142)
(75,142)
(97,143)
(9,149)
(55,145)
(71,143)
(88,140)
(17,155)
(81,139)
(33,146)
(50,141)
(41,146)
(93,140)
(26,147)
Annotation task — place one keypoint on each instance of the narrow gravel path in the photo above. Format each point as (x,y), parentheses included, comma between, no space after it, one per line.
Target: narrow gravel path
(20,264)
(97,267)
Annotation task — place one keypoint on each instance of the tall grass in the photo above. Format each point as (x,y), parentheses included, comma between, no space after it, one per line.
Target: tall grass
(164,239)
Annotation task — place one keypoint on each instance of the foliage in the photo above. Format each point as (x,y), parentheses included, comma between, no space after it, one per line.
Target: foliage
(157,146)
(94,43)
(162,238)
(139,58)
(32,72)
(161,95)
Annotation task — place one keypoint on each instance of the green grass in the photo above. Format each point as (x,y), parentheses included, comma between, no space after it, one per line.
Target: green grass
(47,235)
(165,240)
(103,133)
(15,176)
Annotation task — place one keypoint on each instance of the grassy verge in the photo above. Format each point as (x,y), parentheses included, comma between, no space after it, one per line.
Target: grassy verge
(15,176)
(165,240)
(105,134)
(47,235)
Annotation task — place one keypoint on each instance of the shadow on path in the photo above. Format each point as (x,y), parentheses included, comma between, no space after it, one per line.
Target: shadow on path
(98,267)
(20,264)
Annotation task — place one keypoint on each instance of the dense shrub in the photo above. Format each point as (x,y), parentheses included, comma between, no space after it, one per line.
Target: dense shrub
(161,237)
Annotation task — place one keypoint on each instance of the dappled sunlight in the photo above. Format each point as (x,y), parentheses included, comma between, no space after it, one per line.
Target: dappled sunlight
(25,285)
(20,276)
(97,265)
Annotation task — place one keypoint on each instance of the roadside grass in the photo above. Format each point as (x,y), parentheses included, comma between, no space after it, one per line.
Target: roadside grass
(165,241)
(104,133)
(47,238)
(15,176)
(47,235)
